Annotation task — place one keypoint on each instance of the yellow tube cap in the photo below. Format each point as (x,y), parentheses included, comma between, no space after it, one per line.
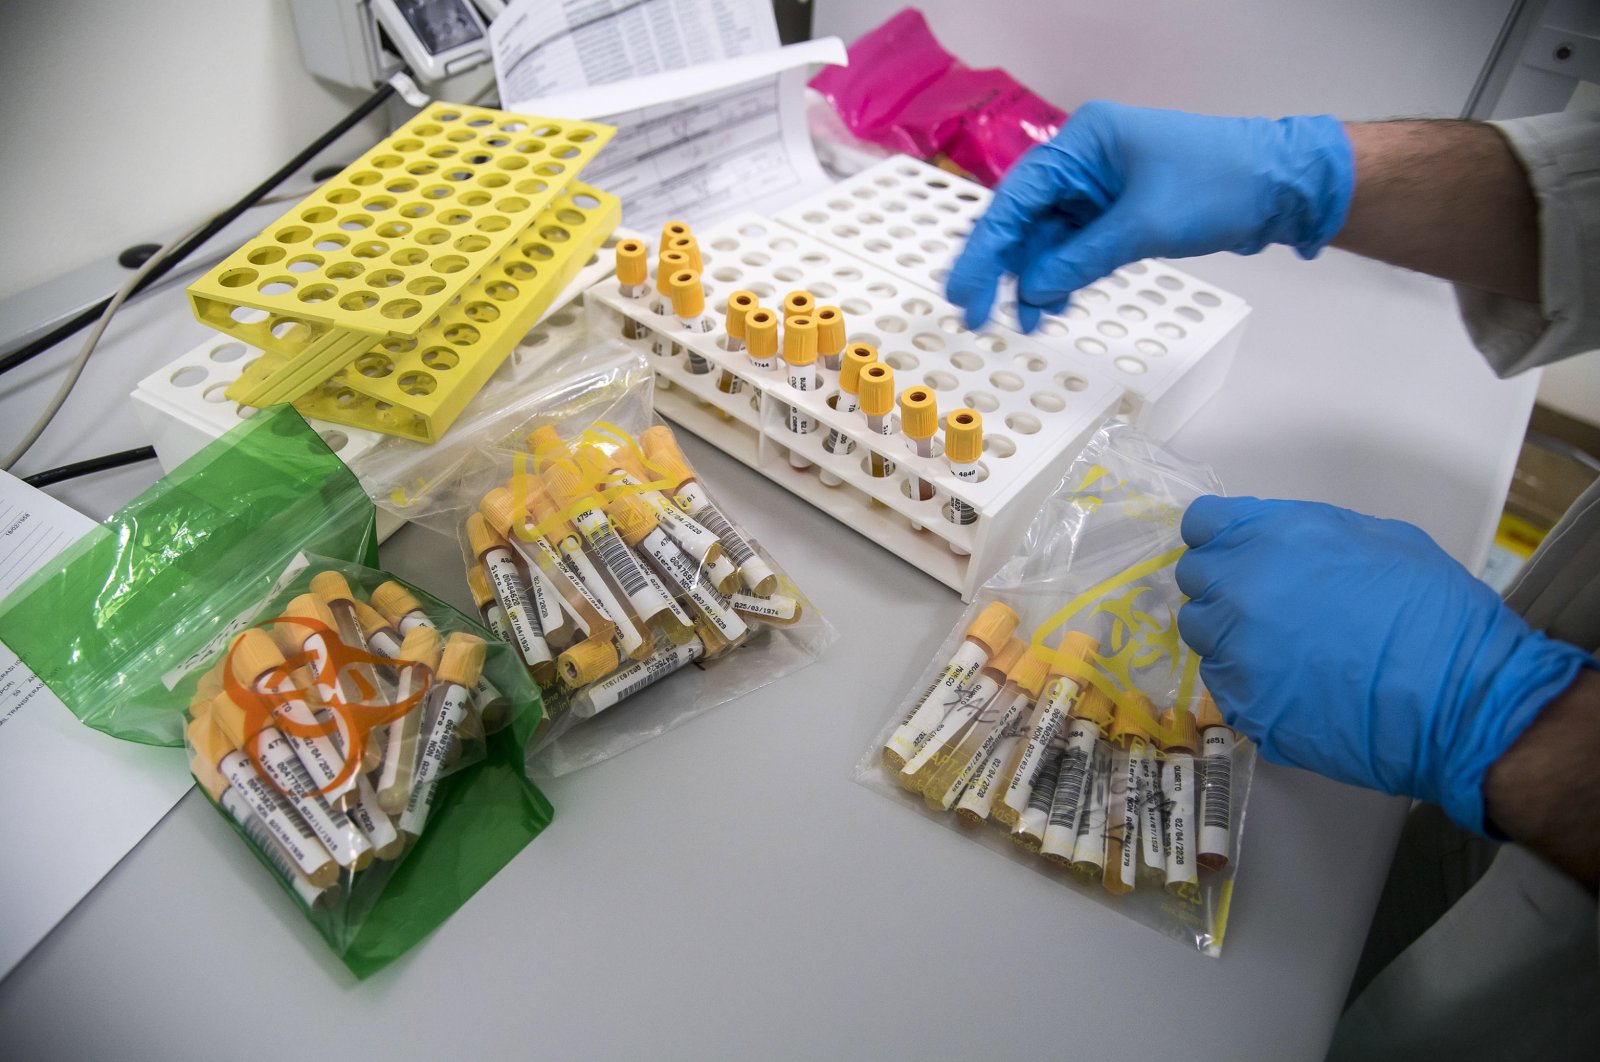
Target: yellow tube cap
(1178,731)
(761,334)
(371,619)
(632,518)
(543,509)
(858,357)
(421,646)
(587,661)
(830,330)
(312,608)
(331,586)
(633,263)
(462,661)
(671,231)
(740,305)
(1075,648)
(689,246)
(798,303)
(877,390)
(993,626)
(478,583)
(1209,715)
(1029,671)
(670,263)
(480,537)
(919,412)
(1093,707)
(963,436)
(546,445)
(800,340)
(253,654)
(566,487)
(229,716)
(1135,717)
(496,508)
(688,295)
(658,441)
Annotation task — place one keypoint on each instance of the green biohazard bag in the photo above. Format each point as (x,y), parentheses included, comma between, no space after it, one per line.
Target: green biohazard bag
(370,756)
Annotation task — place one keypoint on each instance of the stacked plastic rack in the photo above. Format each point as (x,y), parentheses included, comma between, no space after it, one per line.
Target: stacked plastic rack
(1148,342)
(387,298)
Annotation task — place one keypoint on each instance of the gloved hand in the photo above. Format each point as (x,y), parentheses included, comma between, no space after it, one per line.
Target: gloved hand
(1359,649)
(1118,184)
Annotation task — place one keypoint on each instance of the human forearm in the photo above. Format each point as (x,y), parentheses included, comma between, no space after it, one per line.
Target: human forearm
(1446,198)
(1544,792)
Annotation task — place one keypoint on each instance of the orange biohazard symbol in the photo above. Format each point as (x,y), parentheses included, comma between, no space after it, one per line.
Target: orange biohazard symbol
(329,690)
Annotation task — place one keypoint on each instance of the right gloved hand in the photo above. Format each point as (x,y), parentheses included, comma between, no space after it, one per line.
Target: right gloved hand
(1118,184)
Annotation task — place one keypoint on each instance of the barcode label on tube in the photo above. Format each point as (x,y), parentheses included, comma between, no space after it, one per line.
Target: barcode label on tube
(1071,786)
(732,541)
(615,556)
(1218,790)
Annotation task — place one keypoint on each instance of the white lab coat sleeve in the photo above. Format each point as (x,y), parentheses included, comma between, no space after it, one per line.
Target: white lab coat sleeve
(1561,153)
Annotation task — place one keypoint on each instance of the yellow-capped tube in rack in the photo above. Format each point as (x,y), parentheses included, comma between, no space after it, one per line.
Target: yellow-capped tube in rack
(800,355)
(689,306)
(418,661)
(460,665)
(1068,666)
(960,710)
(761,339)
(512,523)
(986,635)
(1216,787)
(830,336)
(258,663)
(662,449)
(740,305)
(268,747)
(672,230)
(963,446)
(640,529)
(600,612)
(798,304)
(1023,683)
(494,553)
(217,760)
(877,407)
(919,421)
(633,268)
(690,247)
(1180,741)
(1085,729)
(856,358)
(669,263)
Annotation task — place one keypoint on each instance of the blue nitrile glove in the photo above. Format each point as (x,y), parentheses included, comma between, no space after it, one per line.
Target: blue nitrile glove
(1118,184)
(1359,649)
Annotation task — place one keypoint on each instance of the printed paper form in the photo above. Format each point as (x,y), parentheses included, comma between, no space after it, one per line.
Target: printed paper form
(73,801)
(725,127)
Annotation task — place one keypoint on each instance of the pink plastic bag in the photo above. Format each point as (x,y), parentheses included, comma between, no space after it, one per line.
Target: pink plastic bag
(904,92)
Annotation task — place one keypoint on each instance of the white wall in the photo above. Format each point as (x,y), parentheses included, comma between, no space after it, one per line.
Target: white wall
(1353,58)
(124,121)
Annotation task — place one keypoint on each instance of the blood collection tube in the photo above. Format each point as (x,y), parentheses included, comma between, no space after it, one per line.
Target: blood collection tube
(650,604)
(689,246)
(800,355)
(1152,821)
(1217,742)
(857,357)
(216,757)
(419,659)
(830,336)
(1035,818)
(491,705)
(512,523)
(304,629)
(877,403)
(635,676)
(669,263)
(689,306)
(985,636)
(1091,712)
(977,798)
(261,667)
(314,896)
(335,592)
(983,752)
(399,606)
(623,469)
(961,707)
(589,661)
(268,747)
(919,421)
(1124,815)
(1089,850)
(761,339)
(641,530)
(549,537)
(1068,665)
(1180,741)
(606,614)
(662,449)
(459,667)
(633,280)
(671,230)
(494,553)
(382,637)
(798,304)
(740,305)
(963,445)
(489,609)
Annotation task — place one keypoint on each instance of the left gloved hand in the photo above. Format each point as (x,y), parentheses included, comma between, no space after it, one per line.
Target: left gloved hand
(1359,649)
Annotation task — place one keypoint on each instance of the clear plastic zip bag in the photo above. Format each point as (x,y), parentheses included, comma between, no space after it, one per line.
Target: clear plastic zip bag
(1063,721)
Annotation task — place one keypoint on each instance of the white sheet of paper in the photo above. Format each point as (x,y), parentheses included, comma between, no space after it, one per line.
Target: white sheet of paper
(725,128)
(73,801)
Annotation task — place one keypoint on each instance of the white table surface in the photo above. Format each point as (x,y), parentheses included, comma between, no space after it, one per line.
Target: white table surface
(697,899)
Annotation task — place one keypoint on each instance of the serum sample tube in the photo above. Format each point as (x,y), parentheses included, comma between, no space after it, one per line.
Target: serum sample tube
(964,706)
(1181,739)
(877,406)
(494,553)
(800,355)
(848,402)
(689,306)
(1069,664)
(963,446)
(1085,734)
(1217,743)
(687,492)
(830,336)
(919,421)
(985,636)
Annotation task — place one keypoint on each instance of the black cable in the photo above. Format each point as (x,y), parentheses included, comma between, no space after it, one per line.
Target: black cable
(94,464)
(32,349)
